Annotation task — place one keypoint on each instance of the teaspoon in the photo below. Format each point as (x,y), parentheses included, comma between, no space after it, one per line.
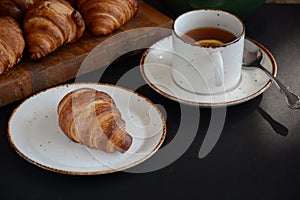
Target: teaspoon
(253,57)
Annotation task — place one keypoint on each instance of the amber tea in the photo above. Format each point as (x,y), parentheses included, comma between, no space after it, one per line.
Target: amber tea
(209,36)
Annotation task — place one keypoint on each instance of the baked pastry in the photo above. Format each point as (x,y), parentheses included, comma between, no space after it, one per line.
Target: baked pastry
(11,8)
(15,8)
(72,2)
(11,43)
(104,16)
(91,118)
(25,4)
(49,25)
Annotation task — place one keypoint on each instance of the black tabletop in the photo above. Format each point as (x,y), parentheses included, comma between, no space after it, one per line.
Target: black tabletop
(256,157)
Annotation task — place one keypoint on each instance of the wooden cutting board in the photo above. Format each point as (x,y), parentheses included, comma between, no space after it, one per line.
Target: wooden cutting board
(29,77)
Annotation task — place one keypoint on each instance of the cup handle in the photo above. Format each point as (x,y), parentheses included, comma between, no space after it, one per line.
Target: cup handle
(217,59)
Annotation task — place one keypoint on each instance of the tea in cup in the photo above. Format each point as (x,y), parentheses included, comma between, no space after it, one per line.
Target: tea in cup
(208,50)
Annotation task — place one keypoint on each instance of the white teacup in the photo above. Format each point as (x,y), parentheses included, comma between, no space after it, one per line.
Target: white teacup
(207,69)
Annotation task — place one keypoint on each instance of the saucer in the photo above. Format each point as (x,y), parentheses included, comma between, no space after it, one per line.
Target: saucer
(156,70)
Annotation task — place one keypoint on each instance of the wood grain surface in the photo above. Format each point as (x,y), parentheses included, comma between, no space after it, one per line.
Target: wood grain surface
(29,77)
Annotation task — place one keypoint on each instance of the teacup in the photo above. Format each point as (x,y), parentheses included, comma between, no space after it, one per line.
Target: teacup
(208,50)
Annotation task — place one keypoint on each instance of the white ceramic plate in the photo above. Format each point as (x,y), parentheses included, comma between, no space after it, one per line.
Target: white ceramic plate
(34,133)
(156,70)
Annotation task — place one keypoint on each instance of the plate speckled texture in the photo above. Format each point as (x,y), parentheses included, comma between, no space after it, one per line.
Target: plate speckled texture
(156,70)
(35,135)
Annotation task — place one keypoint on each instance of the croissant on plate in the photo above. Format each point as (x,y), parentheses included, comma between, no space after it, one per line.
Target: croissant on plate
(91,118)
(104,16)
(11,43)
(50,24)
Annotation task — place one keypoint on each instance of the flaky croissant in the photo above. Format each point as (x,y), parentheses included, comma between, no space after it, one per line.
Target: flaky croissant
(91,118)
(15,8)
(50,24)
(25,4)
(104,16)
(11,43)
(72,2)
(11,8)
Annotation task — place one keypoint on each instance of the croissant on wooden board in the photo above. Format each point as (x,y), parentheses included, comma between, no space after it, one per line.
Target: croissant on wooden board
(49,25)
(11,8)
(72,2)
(102,17)
(15,8)
(25,4)
(91,118)
(11,43)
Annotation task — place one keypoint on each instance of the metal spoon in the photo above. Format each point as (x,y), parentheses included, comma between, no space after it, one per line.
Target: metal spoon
(252,58)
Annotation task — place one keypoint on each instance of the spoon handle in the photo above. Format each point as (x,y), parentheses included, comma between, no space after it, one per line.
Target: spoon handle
(291,99)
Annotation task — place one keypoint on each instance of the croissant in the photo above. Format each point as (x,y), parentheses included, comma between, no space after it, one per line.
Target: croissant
(25,4)
(72,2)
(49,25)
(11,43)
(91,118)
(11,8)
(15,8)
(104,16)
